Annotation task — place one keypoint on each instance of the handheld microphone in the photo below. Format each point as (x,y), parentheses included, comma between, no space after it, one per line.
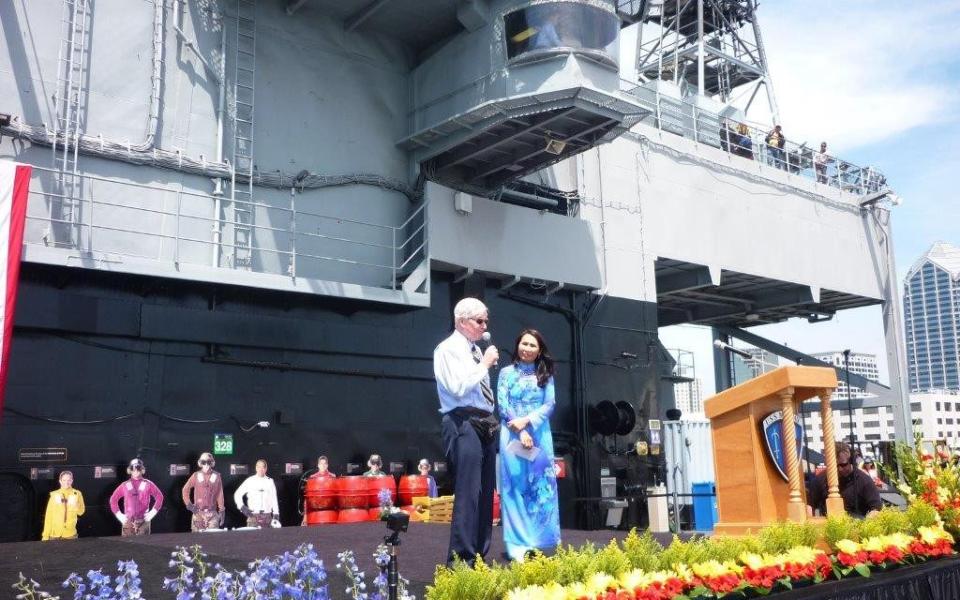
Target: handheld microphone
(486,337)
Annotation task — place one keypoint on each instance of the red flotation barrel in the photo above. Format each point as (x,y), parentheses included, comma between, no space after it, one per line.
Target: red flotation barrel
(373,514)
(375,484)
(352,492)
(321,493)
(322,517)
(353,515)
(412,486)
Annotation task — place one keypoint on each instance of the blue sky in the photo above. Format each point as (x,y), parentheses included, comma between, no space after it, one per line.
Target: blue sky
(880,81)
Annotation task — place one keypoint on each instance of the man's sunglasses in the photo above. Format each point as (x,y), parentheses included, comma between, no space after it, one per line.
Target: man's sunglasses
(843,465)
(480,321)
(206,462)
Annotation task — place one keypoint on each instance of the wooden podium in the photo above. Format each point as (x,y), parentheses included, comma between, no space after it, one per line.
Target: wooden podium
(750,490)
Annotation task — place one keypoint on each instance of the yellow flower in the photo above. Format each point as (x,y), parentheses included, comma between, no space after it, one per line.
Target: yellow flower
(714,568)
(848,546)
(754,561)
(631,580)
(683,572)
(599,582)
(551,591)
(931,535)
(801,555)
(875,544)
(900,540)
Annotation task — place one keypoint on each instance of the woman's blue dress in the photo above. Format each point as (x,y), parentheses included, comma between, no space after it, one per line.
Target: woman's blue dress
(529,509)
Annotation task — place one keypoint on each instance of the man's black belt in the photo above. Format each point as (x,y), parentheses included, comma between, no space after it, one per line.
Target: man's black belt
(465,412)
(486,424)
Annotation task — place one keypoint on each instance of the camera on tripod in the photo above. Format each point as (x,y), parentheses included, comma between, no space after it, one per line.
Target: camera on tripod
(398,521)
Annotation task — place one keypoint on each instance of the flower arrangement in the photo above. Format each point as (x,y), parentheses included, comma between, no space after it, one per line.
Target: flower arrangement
(931,479)
(752,573)
(299,575)
(779,557)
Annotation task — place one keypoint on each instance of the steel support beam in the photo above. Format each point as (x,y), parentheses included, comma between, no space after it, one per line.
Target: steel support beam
(884,395)
(294,5)
(357,18)
(722,363)
(797,297)
(685,280)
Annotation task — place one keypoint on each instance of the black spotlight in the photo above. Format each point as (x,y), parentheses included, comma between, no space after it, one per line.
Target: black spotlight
(4,119)
(674,414)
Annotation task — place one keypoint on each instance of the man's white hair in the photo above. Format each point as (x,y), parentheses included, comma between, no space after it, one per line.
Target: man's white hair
(468,308)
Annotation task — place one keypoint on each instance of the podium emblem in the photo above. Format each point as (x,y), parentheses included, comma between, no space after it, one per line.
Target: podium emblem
(772,426)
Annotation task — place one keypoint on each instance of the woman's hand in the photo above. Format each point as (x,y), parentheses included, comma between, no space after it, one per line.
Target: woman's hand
(526,439)
(519,424)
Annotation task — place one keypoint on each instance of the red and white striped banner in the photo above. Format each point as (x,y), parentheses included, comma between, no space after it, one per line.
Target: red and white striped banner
(14,184)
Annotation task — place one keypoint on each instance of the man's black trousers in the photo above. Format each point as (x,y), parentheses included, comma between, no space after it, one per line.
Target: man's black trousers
(473,465)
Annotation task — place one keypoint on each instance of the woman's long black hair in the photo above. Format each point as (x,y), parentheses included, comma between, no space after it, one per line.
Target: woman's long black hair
(543,364)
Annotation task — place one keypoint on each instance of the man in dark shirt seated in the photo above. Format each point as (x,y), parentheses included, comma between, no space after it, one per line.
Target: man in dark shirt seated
(860,497)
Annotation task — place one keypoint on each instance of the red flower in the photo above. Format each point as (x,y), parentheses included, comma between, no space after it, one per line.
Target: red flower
(722,584)
(930,485)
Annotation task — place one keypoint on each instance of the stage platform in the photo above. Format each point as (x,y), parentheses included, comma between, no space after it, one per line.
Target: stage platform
(424,547)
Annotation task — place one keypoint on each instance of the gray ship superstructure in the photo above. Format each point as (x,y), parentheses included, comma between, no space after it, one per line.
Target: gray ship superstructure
(247,211)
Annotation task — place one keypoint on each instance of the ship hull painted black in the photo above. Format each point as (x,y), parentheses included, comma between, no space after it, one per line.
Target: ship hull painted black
(154,367)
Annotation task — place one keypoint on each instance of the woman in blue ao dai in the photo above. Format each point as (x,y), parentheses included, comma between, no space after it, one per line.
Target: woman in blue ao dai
(528,485)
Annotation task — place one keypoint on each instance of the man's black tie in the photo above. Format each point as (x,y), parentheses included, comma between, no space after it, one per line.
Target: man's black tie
(485,382)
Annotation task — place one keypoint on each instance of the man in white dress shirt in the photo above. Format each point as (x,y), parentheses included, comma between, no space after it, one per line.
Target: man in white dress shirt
(469,428)
(261,508)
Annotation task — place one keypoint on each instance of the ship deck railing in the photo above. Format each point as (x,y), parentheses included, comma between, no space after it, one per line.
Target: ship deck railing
(684,118)
(73,210)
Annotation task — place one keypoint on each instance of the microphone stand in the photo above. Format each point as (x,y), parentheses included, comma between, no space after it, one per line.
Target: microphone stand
(393,572)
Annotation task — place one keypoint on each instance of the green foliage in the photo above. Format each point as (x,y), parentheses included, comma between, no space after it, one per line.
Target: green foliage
(642,550)
(780,537)
(610,560)
(728,548)
(538,570)
(888,520)
(843,527)
(674,554)
(571,565)
(921,514)
(463,583)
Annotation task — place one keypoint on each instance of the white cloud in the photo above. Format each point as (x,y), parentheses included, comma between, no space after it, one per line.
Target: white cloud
(861,71)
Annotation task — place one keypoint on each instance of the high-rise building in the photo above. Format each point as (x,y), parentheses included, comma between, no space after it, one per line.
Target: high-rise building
(870,425)
(931,310)
(688,397)
(860,364)
(760,362)
(936,415)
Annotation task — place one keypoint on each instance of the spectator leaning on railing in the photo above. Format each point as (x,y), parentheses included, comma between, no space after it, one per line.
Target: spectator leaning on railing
(820,161)
(775,145)
(743,143)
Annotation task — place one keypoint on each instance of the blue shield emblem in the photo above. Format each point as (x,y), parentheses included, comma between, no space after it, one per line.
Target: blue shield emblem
(772,427)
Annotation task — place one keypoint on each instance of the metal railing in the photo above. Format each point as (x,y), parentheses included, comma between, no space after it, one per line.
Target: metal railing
(113,218)
(750,141)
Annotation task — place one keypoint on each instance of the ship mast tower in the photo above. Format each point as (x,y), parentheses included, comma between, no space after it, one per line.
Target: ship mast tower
(712,48)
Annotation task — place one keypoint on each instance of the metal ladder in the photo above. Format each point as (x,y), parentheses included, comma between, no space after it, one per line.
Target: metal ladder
(241,194)
(68,111)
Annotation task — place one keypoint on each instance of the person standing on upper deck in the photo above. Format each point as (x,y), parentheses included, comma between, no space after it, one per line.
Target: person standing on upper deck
(776,142)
